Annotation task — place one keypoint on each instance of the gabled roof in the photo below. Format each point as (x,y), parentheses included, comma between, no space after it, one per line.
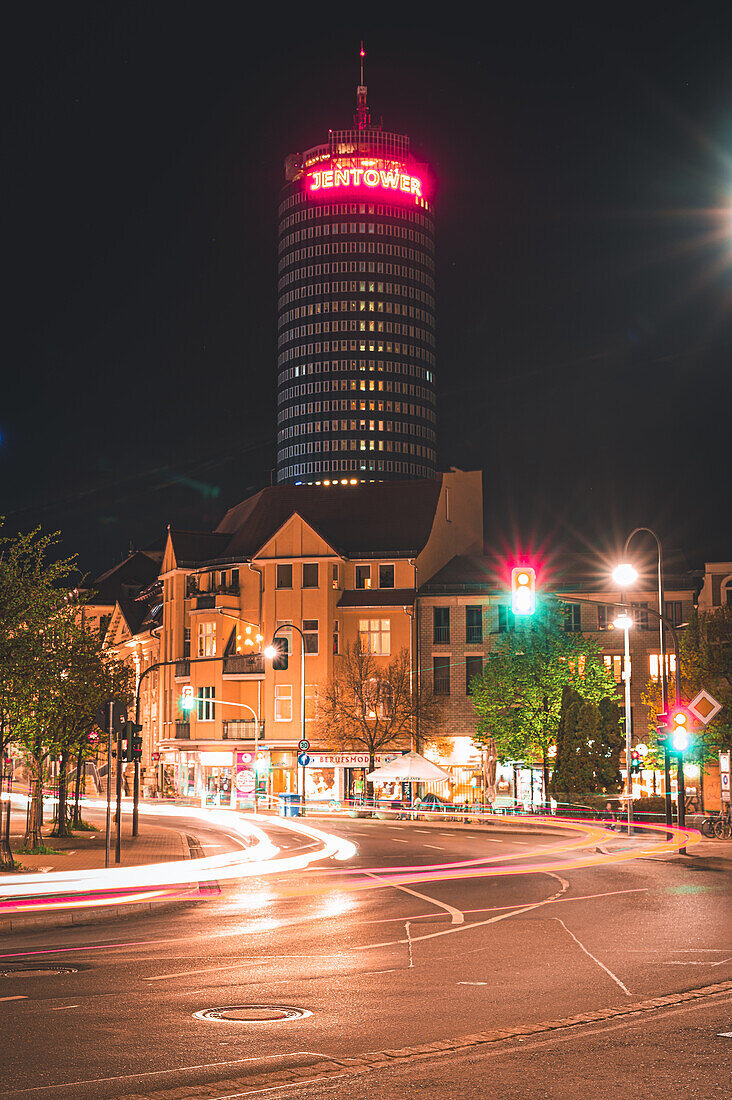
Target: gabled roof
(193,547)
(384,518)
(134,573)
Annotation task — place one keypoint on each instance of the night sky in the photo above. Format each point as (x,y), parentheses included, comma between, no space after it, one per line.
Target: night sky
(583,158)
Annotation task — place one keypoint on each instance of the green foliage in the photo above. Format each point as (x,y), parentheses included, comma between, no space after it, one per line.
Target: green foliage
(518,696)
(589,740)
(39,850)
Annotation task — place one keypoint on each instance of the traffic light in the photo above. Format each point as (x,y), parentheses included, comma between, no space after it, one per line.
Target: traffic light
(680,729)
(523,590)
(635,762)
(280,659)
(187,698)
(134,742)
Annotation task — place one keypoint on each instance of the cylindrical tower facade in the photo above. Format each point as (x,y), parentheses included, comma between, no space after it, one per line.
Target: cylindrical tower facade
(356,312)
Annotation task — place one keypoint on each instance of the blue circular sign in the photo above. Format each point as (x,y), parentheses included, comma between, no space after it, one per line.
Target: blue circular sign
(303,759)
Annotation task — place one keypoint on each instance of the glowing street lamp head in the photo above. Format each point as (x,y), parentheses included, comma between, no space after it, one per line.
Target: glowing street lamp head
(270,652)
(623,621)
(625,575)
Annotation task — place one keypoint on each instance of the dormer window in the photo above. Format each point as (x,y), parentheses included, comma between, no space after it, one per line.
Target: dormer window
(363,576)
(386,576)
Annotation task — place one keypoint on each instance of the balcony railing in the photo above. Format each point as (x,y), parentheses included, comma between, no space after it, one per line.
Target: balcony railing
(241,729)
(441,635)
(242,665)
(182,670)
(217,590)
(182,731)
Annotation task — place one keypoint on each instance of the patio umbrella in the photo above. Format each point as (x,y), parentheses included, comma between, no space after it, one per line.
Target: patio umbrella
(409,766)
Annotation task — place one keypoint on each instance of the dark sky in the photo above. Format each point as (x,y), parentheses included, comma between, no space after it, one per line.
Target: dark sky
(583,158)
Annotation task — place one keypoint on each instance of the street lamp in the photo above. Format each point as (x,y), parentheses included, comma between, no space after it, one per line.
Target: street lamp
(624,622)
(271,652)
(625,575)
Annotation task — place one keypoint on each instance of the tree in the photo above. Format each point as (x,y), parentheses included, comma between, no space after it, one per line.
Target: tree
(518,696)
(368,706)
(589,739)
(33,590)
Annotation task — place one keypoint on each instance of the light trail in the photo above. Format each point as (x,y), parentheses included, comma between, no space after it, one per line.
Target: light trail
(179,879)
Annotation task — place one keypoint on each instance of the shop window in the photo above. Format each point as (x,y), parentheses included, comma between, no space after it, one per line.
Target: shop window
(206,640)
(310,574)
(363,576)
(283,703)
(440,625)
(375,636)
(284,576)
(310,634)
(473,668)
(441,675)
(573,618)
(386,576)
(654,661)
(474,625)
(205,704)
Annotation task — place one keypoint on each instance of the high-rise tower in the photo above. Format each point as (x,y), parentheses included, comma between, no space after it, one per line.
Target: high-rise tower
(356,310)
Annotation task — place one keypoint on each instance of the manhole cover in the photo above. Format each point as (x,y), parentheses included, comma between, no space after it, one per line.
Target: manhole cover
(261,1014)
(38,972)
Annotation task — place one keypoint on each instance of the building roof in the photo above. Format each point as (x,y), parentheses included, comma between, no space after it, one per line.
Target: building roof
(126,579)
(391,519)
(377,597)
(193,547)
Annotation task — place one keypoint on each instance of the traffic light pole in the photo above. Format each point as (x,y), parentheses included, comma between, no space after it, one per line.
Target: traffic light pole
(108,830)
(292,626)
(118,817)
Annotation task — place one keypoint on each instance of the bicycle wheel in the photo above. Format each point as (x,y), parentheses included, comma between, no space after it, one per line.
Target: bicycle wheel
(707,827)
(723,829)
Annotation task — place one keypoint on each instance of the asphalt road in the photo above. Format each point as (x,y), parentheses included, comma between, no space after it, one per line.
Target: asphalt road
(577,959)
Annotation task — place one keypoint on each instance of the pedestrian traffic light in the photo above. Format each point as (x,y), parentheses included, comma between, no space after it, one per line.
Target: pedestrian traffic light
(635,762)
(523,590)
(187,698)
(278,653)
(680,729)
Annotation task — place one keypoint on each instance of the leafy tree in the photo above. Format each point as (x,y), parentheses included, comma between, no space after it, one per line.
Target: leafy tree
(589,739)
(518,696)
(368,706)
(32,591)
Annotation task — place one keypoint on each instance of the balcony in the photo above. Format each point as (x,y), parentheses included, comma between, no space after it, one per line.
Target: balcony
(244,666)
(241,729)
(183,670)
(182,731)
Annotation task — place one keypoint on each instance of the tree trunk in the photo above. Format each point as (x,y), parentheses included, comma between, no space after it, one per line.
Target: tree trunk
(370,782)
(545,769)
(7,863)
(62,823)
(77,788)
(33,836)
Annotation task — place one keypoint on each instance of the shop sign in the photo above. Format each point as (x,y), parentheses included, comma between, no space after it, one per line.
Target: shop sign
(348,759)
(245,781)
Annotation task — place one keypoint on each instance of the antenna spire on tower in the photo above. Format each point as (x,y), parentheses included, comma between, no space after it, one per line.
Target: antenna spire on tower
(362,117)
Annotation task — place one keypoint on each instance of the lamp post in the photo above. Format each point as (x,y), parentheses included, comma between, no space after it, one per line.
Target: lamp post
(625,575)
(271,652)
(624,622)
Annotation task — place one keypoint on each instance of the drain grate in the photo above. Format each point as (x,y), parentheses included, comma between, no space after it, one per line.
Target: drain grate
(38,971)
(253,1014)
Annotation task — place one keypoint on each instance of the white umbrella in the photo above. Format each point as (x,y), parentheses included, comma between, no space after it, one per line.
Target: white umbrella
(409,766)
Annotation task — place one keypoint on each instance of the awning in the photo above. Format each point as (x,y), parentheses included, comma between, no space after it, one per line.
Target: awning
(409,766)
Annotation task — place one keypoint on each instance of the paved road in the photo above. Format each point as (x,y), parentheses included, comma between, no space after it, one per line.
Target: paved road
(463,963)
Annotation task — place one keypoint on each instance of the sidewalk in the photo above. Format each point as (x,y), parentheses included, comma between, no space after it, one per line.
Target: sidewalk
(86,850)
(707,854)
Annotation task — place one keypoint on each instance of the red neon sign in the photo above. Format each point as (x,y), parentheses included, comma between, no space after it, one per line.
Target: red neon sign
(388,179)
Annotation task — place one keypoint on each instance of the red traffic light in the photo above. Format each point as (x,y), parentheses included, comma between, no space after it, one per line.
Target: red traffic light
(523,590)
(680,723)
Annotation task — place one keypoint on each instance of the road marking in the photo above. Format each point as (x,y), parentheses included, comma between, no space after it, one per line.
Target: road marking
(61,1008)
(472,983)
(397,840)
(594,959)
(724,1034)
(456,916)
(18,998)
(436,847)
(695,962)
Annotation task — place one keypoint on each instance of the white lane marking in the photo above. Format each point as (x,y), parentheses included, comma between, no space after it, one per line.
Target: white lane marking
(472,983)
(456,916)
(397,840)
(594,958)
(724,1034)
(61,1008)
(695,962)
(436,847)
(579,897)
(17,998)
(409,946)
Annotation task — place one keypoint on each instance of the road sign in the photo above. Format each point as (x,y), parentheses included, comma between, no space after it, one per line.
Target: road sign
(303,745)
(704,707)
(303,759)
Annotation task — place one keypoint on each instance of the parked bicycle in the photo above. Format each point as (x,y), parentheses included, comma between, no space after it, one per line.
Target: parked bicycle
(723,825)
